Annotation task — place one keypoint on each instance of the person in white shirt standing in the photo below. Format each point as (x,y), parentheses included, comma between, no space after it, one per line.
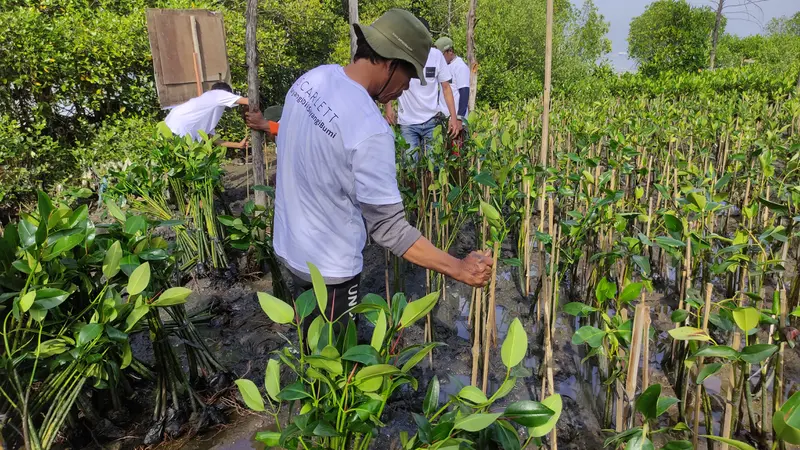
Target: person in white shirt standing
(460,84)
(419,110)
(203,113)
(336,168)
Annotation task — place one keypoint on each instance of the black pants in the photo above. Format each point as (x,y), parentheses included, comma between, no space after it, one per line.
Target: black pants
(341,297)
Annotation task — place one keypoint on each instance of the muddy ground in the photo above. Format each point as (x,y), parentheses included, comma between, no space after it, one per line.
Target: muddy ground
(240,334)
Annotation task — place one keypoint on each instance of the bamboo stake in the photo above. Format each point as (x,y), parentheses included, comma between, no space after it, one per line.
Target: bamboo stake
(699,388)
(476,338)
(620,400)
(637,339)
(490,318)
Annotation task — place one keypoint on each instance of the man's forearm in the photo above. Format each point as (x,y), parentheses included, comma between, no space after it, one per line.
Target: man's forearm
(227,144)
(424,253)
(447,91)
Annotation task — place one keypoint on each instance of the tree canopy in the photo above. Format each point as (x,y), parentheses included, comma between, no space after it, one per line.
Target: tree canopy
(671,35)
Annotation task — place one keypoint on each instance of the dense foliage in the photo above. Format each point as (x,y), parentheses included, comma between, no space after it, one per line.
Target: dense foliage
(79,72)
(510,41)
(671,35)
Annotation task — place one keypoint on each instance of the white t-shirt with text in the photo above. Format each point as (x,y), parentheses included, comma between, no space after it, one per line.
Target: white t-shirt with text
(420,103)
(335,151)
(200,113)
(460,71)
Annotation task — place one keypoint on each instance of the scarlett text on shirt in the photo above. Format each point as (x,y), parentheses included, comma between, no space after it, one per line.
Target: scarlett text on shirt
(313,103)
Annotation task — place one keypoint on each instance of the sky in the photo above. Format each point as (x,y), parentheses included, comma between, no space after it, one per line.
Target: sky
(620,12)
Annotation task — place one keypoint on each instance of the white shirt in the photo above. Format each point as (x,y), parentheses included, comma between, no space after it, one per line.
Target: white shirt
(335,151)
(200,113)
(420,103)
(460,71)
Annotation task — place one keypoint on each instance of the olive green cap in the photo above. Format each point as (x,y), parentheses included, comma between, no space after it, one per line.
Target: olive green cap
(397,34)
(273,113)
(444,44)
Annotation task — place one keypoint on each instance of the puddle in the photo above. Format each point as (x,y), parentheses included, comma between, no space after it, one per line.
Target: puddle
(569,388)
(713,385)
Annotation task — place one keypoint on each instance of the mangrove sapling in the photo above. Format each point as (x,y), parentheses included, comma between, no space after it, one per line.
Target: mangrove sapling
(179,185)
(342,386)
(471,418)
(651,405)
(65,327)
(251,232)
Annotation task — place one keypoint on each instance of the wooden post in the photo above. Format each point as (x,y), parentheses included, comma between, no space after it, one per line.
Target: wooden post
(198,67)
(352,14)
(473,61)
(548,61)
(253,96)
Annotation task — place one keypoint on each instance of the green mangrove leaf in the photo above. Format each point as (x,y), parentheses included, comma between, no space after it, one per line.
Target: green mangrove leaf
(305,304)
(679,315)
(112,259)
(665,403)
(746,318)
(732,442)
(294,391)
(320,290)
(363,354)
(172,296)
(678,445)
(136,314)
(139,279)
(647,402)
(689,334)
(252,398)
(631,292)
(786,421)
(276,309)
(707,371)
(476,422)
(578,309)
(758,353)
(272,379)
(314,332)
(515,346)
(472,395)
(418,309)
(555,403)
(414,360)
(719,351)
(379,332)
(431,402)
(26,301)
(528,413)
(589,335)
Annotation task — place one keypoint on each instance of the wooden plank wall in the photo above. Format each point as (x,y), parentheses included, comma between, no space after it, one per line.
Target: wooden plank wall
(172,47)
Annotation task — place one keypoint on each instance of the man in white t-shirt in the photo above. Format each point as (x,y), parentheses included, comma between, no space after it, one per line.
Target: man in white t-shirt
(460,73)
(203,113)
(419,105)
(336,168)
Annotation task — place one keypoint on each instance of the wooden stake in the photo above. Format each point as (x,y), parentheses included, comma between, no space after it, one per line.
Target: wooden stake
(699,388)
(637,339)
(490,320)
(476,336)
(473,61)
(198,67)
